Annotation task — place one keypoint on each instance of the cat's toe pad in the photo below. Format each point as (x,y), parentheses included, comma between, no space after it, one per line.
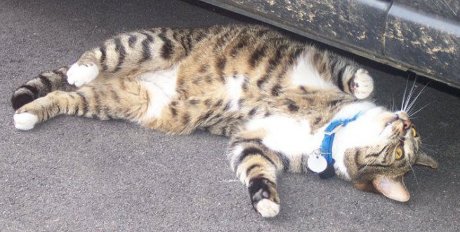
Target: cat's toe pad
(80,74)
(267,208)
(25,121)
(362,84)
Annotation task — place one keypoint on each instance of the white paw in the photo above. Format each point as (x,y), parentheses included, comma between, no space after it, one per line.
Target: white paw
(25,121)
(362,85)
(79,75)
(267,208)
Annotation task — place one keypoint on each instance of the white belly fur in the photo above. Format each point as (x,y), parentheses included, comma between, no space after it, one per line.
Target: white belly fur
(161,88)
(287,135)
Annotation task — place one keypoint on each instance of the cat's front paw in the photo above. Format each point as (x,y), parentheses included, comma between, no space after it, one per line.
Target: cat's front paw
(264,197)
(362,84)
(80,74)
(25,121)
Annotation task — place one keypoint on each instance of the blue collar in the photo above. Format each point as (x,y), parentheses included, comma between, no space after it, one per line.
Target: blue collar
(328,141)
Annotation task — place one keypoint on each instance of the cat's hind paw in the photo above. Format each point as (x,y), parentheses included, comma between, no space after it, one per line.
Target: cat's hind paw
(80,74)
(25,121)
(362,84)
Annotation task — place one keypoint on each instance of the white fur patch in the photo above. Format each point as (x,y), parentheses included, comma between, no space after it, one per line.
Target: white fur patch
(233,87)
(304,74)
(363,84)
(284,134)
(161,88)
(267,208)
(79,75)
(366,130)
(25,121)
(234,155)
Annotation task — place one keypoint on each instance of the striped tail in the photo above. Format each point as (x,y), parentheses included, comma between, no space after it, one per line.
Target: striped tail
(40,86)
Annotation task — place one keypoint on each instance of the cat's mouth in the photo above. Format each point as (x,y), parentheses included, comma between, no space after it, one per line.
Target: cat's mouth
(397,123)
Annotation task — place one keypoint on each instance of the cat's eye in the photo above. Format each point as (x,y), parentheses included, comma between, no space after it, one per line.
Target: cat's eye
(414,132)
(399,153)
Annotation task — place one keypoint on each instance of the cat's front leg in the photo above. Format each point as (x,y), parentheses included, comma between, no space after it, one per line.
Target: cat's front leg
(257,166)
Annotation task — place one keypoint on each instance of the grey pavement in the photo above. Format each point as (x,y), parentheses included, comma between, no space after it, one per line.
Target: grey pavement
(76,174)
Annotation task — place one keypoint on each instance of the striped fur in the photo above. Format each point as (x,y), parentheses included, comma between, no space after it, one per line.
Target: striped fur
(273,96)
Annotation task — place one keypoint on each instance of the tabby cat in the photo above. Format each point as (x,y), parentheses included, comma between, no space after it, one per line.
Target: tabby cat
(286,105)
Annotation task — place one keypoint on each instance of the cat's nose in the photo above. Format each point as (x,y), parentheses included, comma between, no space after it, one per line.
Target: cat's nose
(407,123)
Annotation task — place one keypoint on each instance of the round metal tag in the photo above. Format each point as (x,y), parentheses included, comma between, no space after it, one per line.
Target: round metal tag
(317,163)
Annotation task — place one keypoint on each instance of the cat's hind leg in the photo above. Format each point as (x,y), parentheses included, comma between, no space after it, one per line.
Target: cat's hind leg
(257,166)
(140,51)
(109,100)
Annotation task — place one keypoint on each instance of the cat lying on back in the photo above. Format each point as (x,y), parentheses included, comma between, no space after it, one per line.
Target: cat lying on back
(285,105)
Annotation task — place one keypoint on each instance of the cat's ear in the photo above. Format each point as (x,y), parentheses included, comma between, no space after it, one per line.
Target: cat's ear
(392,188)
(426,160)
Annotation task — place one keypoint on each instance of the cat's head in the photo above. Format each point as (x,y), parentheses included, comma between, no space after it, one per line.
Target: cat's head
(378,149)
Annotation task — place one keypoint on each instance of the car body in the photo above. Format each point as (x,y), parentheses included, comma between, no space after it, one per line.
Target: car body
(421,36)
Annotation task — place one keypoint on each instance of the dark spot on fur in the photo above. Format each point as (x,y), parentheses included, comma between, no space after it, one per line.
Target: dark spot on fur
(204,68)
(293,107)
(257,55)
(262,80)
(276,90)
(317,120)
(46,82)
(251,168)
(208,79)
(173,111)
(121,54)
(221,62)
(19,100)
(219,103)
(146,53)
(194,101)
(227,106)
(167,48)
(248,151)
(132,40)
(186,118)
(259,189)
(103,58)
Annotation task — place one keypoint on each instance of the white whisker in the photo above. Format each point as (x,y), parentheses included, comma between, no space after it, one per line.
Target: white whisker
(414,113)
(431,151)
(404,95)
(409,96)
(392,104)
(415,176)
(415,99)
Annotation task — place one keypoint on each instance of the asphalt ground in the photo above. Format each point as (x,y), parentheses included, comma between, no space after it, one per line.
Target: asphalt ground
(77,174)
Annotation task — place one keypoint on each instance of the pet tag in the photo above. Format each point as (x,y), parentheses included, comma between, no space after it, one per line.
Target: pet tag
(317,163)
